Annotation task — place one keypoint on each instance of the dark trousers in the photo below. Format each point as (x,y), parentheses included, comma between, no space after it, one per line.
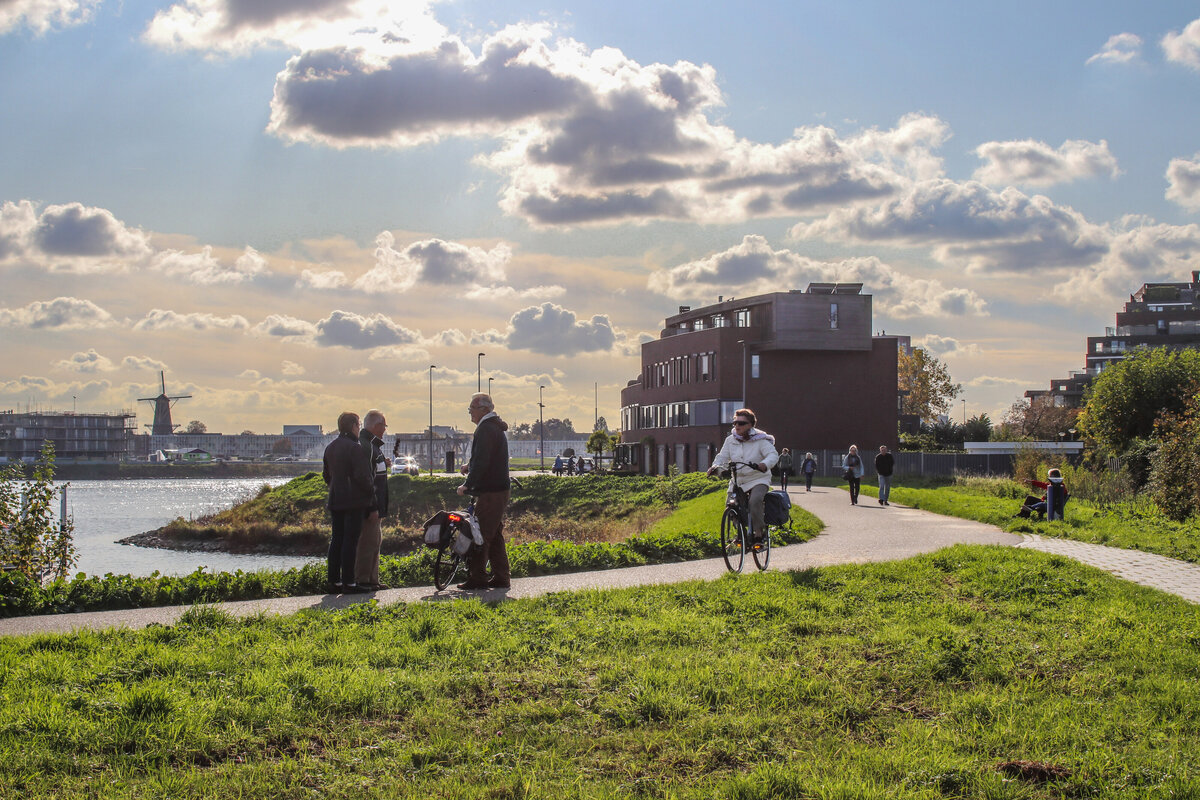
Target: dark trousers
(783,476)
(808,481)
(489,510)
(343,544)
(854,482)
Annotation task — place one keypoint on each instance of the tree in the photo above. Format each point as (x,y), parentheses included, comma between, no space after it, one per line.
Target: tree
(33,541)
(926,385)
(1175,465)
(248,432)
(1126,399)
(1038,418)
(282,447)
(601,424)
(196,426)
(978,429)
(600,442)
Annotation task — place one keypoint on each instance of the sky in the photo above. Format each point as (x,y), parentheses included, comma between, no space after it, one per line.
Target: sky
(298,207)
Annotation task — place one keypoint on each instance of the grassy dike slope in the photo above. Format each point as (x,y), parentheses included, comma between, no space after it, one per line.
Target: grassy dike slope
(971,672)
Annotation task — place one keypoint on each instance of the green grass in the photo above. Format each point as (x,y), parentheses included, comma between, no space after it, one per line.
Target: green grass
(1131,526)
(932,677)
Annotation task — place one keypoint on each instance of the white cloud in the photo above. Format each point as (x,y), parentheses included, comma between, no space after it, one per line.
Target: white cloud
(70,237)
(159,319)
(591,137)
(327,279)
(286,327)
(945,345)
(204,269)
(291,368)
(241,26)
(972,226)
(1184,48)
(91,361)
(754,267)
(1145,251)
(143,362)
(1183,182)
(552,330)
(1038,164)
(433,262)
(59,313)
(41,16)
(1122,48)
(502,293)
(347,329)
(988,381)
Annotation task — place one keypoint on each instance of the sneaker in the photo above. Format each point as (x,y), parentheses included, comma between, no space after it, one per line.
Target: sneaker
(471,586)
(379,587)
(495,584)
(354,588)
(335,588)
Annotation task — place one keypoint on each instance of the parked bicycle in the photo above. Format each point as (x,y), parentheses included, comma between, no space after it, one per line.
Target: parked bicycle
(737,524)
(455,537)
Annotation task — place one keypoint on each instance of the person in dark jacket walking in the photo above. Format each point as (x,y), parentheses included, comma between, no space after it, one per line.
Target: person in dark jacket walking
(487,481)
(852,466)
(809,468)
(785,468)
(366,570)
(885,463)
(347,472)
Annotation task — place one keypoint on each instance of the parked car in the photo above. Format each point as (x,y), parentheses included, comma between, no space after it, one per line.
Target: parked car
(406,465)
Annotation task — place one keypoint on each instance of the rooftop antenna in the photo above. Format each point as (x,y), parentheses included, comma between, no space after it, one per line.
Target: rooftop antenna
(162,409)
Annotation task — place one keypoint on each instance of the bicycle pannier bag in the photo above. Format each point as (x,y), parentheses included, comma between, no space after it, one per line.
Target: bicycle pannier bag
(437,530)
(776,508)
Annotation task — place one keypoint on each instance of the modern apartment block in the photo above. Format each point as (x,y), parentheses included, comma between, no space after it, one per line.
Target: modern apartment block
(1157,315)
(805,361)
(90,437)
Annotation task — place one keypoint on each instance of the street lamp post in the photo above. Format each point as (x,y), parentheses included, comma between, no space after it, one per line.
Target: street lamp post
(479,372)
(964,402)
(432,367)
(742,342)
(490,379)
(541,429)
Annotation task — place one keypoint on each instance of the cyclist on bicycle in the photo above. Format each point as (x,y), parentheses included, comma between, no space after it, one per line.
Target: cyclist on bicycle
(748,445)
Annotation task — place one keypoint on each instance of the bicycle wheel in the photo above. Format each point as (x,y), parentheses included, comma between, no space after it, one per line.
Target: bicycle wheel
(445,566)
(733,540)
(762,550)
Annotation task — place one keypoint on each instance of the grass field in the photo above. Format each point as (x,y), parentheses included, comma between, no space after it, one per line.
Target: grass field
(1135,525)
(972,672)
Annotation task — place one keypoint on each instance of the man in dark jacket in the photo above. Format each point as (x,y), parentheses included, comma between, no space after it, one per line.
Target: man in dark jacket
(366,570)
(347,472)
(885,462)
(487,480)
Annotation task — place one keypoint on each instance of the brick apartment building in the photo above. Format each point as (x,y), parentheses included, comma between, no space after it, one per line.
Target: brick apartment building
(805,361)
(1157,315)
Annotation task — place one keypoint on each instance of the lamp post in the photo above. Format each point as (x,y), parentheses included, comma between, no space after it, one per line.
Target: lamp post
(490,379)
(964,402)
(541,429)
(478,372)
(432,367)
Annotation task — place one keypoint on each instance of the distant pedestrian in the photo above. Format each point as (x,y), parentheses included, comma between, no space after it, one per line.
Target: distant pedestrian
(884,464)
(809,468)
(347,473)
(852,471)
(785,467)
(571,465)
(558,465)
(366,570)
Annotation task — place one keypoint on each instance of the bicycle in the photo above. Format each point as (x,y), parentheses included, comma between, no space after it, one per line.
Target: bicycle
(457,539)
(737,528)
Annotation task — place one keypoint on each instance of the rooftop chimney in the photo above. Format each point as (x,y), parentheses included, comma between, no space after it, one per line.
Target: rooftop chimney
(684,309)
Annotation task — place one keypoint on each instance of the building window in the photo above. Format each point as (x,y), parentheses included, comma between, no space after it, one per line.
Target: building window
(719,321)
(833,319)
(754,365)
(1099,347)
(741,318)
(698,325)
(706,366)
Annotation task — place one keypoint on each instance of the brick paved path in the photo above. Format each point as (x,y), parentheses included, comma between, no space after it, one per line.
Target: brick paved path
(853,535)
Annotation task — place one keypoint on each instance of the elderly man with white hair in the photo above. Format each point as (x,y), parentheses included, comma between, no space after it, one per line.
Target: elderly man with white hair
(487,481)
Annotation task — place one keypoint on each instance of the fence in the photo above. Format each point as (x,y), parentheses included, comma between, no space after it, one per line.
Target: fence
(829,463)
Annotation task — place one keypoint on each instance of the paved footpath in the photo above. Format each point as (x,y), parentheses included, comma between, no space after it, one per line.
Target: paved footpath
(853,535)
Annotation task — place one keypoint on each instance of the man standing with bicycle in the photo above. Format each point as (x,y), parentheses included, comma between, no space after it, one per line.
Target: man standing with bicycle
(755,449)
(487,481)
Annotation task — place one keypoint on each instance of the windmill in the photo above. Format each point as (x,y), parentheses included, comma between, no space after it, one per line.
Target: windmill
(162,409)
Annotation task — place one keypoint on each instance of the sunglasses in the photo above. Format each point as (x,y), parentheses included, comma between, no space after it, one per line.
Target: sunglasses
(740,422)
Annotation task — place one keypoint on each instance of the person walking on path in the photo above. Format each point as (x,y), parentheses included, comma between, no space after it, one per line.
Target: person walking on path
(366,570)
(488,482)
(755,450)
(852,471)
(809,468)
(785,468)
(885,463)
(347,472)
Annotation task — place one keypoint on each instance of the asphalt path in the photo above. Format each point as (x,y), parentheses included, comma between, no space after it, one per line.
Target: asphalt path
(858,534)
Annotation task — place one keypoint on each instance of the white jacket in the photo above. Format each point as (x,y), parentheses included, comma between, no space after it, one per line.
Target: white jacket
(760,451)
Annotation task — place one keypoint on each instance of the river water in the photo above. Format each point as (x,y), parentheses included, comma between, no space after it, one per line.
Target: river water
(105,511)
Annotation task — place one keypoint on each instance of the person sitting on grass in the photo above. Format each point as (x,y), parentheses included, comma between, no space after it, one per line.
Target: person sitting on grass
(1051,504)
